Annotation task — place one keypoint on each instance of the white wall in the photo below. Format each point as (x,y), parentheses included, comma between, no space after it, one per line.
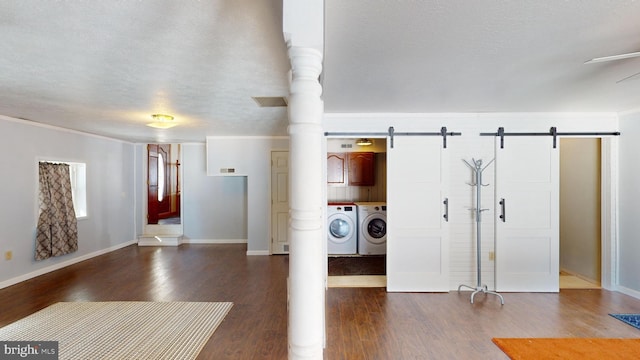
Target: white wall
(139,183)
(470,145)
(214,208)
(251,157)
(110,194)
(629,204)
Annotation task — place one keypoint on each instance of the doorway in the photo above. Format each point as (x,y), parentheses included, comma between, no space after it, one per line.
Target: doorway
(279,202)
(162,181)
(163,184)
(580,213)
(356,177)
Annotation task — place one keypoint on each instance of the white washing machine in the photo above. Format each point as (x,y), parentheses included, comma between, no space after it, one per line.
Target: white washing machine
(372,229)
(342,234)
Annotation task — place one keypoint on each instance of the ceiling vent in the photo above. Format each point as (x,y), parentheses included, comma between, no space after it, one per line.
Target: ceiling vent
(270,101)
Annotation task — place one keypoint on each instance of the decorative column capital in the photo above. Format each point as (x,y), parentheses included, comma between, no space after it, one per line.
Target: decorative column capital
(306,67)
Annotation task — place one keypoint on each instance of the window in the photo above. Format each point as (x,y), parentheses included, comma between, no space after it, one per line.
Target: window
(161,175)
(78,175)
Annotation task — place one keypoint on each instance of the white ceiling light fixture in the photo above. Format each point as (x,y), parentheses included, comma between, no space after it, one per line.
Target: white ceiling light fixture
(162,121)
(364,142)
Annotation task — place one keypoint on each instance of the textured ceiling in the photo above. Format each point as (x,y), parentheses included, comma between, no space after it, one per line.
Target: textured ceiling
(479,56)
(105,67)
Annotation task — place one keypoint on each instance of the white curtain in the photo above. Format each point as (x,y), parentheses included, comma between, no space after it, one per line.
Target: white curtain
(57,232)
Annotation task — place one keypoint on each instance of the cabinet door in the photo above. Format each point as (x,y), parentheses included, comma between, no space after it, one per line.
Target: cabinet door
(336,166)
(362,169)
(417,236)
(527,202)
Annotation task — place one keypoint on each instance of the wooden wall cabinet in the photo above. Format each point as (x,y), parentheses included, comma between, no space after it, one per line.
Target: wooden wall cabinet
(361,169)
(353,169)
(336,168)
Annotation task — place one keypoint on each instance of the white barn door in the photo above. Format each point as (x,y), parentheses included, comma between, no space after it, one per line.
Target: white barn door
(417,236)
(527,213)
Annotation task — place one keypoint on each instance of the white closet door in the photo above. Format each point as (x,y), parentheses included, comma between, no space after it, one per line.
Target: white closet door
(280,202)
(527,238)
(417,237)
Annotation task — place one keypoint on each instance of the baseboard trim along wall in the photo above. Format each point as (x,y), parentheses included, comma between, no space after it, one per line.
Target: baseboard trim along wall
(214,241)
(226,241)
(63,264)
(257,252)
(160,240)
(627,291)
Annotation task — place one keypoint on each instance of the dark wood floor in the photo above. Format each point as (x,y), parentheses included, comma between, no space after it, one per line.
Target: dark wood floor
(357,265)
(363,323)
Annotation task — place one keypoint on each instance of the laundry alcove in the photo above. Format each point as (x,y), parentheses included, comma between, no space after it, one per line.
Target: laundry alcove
(439,174)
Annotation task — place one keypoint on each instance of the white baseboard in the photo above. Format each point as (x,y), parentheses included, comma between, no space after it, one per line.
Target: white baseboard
(63,264)
(627,291)
(227,241)
(257,252)
(214,241)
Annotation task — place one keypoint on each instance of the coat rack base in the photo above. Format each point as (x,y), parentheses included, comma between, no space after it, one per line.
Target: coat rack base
(481,289)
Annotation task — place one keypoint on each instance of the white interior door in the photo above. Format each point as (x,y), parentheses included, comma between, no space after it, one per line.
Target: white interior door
(279,202)
(417,237)
(527,234)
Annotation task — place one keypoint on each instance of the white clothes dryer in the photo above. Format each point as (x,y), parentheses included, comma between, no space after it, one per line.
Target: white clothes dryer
(342,234)
(372,229)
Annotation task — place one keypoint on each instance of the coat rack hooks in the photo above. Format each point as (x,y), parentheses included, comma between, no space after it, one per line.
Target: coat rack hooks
(477,169)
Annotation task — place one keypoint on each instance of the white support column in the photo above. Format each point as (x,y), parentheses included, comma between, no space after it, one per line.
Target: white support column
(306,282)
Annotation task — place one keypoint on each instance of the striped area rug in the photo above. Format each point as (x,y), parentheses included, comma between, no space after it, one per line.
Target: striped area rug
(122,329)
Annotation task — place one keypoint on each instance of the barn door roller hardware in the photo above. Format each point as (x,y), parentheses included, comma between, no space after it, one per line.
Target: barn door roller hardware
(391,133)
(443,132)
(552,132)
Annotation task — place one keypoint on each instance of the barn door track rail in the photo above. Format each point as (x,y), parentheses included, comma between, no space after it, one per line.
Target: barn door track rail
(552,132)
(392,132)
